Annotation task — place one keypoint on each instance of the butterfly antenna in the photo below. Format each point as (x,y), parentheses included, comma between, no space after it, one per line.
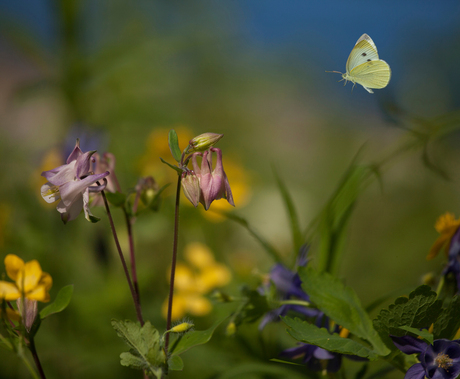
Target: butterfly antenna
(336,72)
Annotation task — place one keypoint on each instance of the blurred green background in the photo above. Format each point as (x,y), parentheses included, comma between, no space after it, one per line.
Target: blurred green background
(120,74)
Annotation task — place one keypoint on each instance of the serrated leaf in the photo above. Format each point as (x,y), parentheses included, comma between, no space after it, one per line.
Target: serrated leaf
(309,333)
(423,333)
(420,310)
(117,199)
(448,322)
(175,168)
(195,338)
(341,304)
(175,363)
(146,352)
(173,142)
(60,303)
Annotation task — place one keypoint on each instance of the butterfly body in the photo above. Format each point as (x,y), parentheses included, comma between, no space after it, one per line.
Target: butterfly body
(364,66)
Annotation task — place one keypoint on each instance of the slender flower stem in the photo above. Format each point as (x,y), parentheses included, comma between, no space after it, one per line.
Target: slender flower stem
(294,302)
(33,350)
(123,262)
(129,226)
(173,263)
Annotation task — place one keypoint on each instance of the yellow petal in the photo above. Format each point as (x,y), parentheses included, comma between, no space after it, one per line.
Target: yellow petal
(9,291)
(11,314)
(178,309)
(198,305)
(28,278)
(213,276)
(199,255)
(46,280)
(184,279)
(39,293)
(437,246)
(445,222)
(13,265)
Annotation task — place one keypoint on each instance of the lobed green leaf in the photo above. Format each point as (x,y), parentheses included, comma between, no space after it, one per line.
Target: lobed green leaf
(448,322)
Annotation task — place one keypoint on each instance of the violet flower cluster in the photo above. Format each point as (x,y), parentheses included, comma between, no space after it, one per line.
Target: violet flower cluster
(438,360)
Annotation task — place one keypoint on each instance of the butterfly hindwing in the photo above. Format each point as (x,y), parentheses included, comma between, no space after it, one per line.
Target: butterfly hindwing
(373,74)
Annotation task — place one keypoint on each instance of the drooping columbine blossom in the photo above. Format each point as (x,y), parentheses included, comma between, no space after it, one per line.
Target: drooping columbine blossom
(439,360)
(71,183)
(214,184)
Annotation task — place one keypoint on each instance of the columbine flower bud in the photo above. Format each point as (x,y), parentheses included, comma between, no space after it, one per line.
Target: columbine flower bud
(148,189)
(191,187)
(204,141)
(181,328)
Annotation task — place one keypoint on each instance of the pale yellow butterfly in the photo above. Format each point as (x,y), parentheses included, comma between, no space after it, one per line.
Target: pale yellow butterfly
(364,66)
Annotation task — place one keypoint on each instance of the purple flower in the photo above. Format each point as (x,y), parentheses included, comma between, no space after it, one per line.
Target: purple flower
(71,183)
(453,264)
(288,286)
(214,184)
(439,360)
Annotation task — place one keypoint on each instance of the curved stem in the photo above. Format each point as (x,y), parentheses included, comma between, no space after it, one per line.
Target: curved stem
(123,262)
(33,350)
(129,226)
(173,263)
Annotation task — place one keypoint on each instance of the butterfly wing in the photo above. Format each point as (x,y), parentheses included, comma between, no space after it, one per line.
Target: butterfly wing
(364,51)
(372,74)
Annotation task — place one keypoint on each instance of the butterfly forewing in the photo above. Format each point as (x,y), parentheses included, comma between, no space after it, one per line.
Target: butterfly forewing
(373,74)
(364,51)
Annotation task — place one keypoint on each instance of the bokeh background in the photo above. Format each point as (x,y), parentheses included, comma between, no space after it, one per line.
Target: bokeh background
(119,75)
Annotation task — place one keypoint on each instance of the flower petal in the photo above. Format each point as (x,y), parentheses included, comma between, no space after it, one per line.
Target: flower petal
(8,291)
(415,372)
(76,152)
(409,345)
(50,192)
(63,174)
(83,163)
(13,265)
(29,277)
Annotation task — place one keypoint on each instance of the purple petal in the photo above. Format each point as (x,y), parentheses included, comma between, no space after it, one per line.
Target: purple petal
(409,345)
(83,164)
(334,364)
(321,353)
(71,190)
(75,153)
(415,372)
(71,212)
(61,175)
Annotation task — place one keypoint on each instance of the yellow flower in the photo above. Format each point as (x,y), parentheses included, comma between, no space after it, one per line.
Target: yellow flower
(446,225)
(194,281)
(29,278)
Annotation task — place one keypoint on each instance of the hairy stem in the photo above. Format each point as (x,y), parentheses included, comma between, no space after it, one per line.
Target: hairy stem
(173,263)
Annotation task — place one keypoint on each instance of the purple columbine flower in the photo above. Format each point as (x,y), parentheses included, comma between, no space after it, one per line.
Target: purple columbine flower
(453,264)
(214,184)
(441,360)
(71,183)
(288,286)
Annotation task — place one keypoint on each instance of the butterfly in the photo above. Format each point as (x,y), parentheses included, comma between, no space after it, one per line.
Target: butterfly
(364,66)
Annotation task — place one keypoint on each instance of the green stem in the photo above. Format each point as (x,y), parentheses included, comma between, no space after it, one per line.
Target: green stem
(294,302)
(33,350)
(173,263)
(137,305)
(29,367)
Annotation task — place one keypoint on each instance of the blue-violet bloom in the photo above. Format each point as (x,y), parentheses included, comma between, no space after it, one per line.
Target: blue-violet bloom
(71,183)
(441,360)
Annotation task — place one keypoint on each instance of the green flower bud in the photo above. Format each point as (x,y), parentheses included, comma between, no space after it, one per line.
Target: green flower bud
(203,142)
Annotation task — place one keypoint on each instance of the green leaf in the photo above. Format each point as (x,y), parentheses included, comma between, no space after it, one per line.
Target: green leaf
(297,237)
(331,224)
(420,310)
(117,199)
(425,334)
(341,304)
(265,244)
(448,322)
(146,352)
(5,343)
(175,168)
(93,219)
(309,333)
(174,145)
(60,303)
(195,338)
(175,363)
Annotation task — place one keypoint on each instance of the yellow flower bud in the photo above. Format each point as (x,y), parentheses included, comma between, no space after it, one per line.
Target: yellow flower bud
(204,141)
(181,328)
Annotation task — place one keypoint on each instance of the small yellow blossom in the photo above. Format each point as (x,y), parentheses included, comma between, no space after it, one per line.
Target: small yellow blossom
(446,225)
(194,281)
(30,281)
